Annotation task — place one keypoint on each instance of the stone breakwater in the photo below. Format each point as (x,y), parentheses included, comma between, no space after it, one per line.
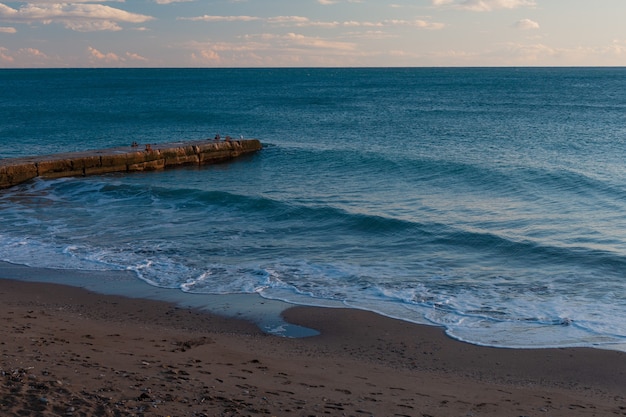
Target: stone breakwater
(123,159)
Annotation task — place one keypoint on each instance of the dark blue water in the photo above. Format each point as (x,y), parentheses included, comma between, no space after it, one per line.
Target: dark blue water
(488,201)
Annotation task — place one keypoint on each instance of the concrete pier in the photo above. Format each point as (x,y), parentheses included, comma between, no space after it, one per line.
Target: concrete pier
(15,171)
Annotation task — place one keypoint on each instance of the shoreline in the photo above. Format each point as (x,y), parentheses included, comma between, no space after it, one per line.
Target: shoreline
(265,313)
(67,351)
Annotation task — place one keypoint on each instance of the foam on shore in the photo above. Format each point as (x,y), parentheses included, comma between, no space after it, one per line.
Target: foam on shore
(266,314)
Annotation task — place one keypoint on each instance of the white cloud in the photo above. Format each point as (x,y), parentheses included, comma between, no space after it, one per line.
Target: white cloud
(33,52)
(524,54)
(136,57)
(226,53)
(271,49)
(76,16)
(98,56)
(301,21)
(419,23)
(533,54)
(209,18)
(484,5)
(207,56)
(288,19)
(171,1)
(25,57)
(7,30)
(370,34)
(5,57)
(526,24)
(317,42)
(330,2)
(291,39)
(71,1)
(7,11)
(423,24)
(92,26)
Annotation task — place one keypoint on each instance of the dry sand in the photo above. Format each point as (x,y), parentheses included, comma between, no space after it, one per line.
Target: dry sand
(69,352)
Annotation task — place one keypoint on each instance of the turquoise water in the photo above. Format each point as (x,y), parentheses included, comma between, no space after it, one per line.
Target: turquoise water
(488,201)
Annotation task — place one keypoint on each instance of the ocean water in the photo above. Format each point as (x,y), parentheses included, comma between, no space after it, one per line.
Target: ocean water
(489,201)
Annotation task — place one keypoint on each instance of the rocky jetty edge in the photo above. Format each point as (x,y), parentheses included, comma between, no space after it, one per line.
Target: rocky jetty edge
(131,158)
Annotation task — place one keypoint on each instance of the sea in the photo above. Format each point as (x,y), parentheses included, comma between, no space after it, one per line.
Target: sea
(488,201)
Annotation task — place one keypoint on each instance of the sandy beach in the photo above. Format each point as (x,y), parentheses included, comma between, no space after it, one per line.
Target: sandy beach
(70,352)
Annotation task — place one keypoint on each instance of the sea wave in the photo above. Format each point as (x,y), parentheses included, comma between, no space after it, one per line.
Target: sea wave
(487,201)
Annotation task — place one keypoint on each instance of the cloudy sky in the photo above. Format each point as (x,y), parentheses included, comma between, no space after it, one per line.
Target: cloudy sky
(279,33)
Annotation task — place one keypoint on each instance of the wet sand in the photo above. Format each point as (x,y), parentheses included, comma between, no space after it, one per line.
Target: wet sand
(69,352)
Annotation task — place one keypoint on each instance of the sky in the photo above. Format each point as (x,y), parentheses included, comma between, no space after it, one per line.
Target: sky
(311,33)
